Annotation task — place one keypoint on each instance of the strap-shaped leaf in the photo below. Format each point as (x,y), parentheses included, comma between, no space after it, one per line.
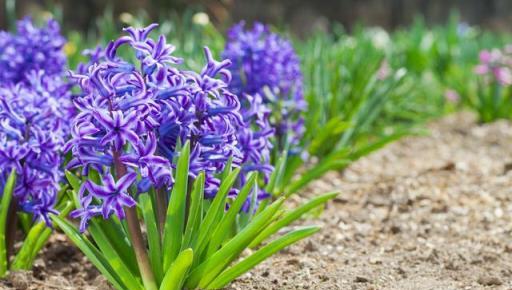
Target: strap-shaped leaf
(365,150)
(155,254)
(332,129)
(43,238)
(36,238)
(214,213)
(4,211)
(257,257)
(175,221)
(76,183)
(228,220)
(175,276)
(227,169)
(203,274)
(91,252)
(115,261)
(291,217)
(315,172)
(277,174)
(195,212)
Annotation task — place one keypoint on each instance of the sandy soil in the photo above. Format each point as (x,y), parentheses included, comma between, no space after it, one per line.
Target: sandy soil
(429,212)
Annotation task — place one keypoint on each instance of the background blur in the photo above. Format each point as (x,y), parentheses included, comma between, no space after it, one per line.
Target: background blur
(299,16)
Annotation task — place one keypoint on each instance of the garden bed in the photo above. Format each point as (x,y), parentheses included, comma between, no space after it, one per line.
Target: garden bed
(428,212)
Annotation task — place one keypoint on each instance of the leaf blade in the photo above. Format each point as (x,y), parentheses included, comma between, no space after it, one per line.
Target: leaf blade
(257,257)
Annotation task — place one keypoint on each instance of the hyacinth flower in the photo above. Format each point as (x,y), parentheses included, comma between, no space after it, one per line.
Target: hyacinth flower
(33,119)
(31,49)
(268,80)
(266,66)
(494,94)
(356,85)
(150,137)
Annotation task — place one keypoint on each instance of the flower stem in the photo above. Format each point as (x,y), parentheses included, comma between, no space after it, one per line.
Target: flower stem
(12,221)
(140,249)
(148,278)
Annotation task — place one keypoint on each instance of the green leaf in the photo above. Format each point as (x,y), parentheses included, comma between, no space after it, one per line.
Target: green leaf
(195,212)
(175,276)
(114,259)
(5,203)
(227,169)
(91,252)
(117,236)
(75,184)
(365,150)
(214,213)
(257,257)
(175,221)
(34,241)
(315,172)
(228,220)
(333,128)
(277,174)
(209,269)
(22,258)
(291,216)
(155,254)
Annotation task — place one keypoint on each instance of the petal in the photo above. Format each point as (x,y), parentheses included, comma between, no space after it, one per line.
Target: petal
(97,190)
(104,118)
(126,181)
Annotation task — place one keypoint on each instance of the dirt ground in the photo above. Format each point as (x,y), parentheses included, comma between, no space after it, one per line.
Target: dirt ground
(429,212)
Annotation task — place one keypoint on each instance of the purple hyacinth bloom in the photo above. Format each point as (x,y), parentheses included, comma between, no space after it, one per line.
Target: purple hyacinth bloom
(113,194)
(134,116)
(33,117)
(266,64)
(31,49)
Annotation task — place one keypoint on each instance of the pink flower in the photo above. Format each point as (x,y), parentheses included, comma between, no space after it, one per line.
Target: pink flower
(451,96)
(482,69)
(503,75)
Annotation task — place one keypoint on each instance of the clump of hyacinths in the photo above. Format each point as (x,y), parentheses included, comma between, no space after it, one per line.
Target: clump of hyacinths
(34,127)
(348,91)
(494,95)
(266,71)
(32,48)
(159,158)
(34,114)
(268,80)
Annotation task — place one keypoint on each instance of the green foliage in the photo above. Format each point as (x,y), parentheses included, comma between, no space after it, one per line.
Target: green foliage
(36,233)
(5,204)
(364,90)
(198,247)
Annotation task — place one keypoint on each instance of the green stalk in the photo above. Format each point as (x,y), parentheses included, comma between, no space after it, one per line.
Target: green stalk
(148,278)
(140,249)
(5,202)
(12,219)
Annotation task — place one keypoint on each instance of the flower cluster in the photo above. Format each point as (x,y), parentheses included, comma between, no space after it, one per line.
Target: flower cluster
(33,118)
(133,117)
(31,49)
(496,64)
(265,66)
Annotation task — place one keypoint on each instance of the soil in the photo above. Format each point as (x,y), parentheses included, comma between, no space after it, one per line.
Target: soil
(427,212)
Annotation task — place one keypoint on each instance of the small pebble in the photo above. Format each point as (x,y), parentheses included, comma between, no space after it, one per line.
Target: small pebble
(489,281)
(361,279)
